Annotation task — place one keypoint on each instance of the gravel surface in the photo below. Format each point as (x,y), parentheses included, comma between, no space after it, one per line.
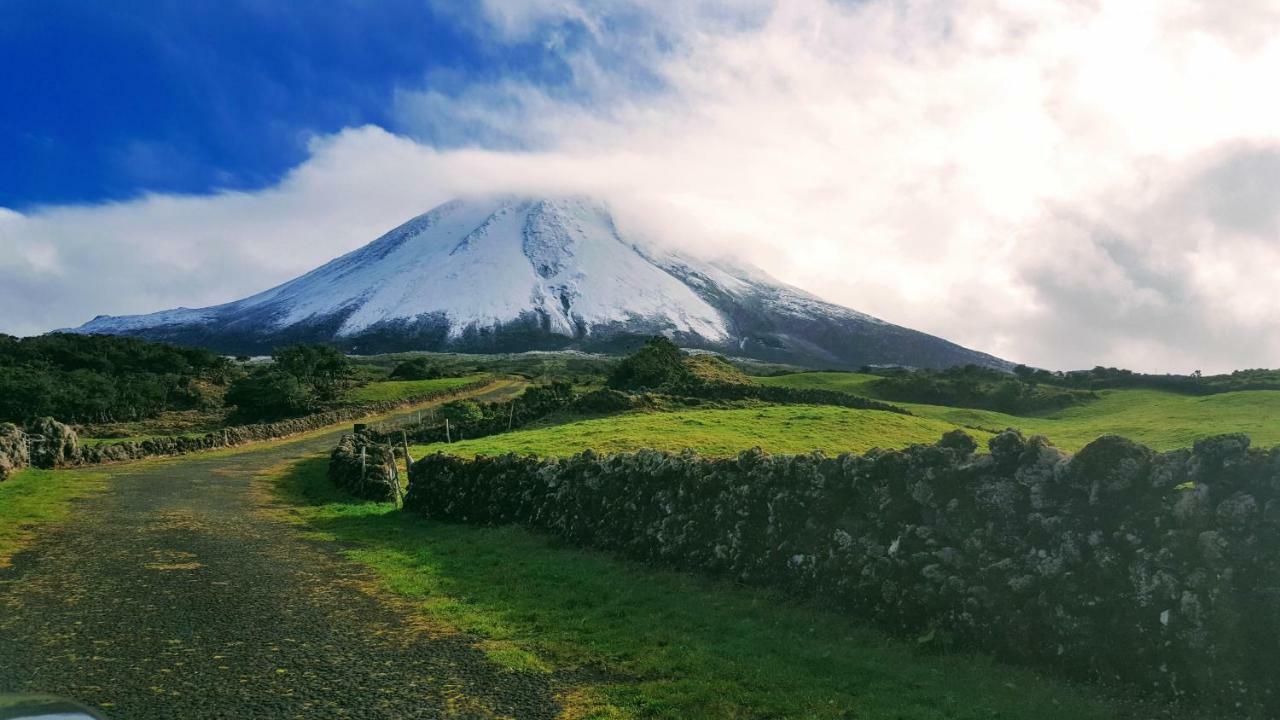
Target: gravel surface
(170,596)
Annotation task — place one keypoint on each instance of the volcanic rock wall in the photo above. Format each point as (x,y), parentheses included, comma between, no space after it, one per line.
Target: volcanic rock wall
(1115,564)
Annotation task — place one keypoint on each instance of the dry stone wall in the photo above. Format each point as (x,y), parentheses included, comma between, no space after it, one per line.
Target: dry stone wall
(1117,564)
(365,469)
(47,443)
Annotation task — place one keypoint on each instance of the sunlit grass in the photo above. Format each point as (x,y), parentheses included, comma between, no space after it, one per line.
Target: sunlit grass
(1159,419)
(405,389)
(660,644)
(31,497)
(718,432)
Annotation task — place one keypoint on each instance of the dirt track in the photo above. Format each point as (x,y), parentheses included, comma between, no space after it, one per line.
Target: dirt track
(170,595)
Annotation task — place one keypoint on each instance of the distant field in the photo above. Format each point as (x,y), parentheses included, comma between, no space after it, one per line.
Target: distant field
(1159,419)
(855,383)
(404,389)
(777,429)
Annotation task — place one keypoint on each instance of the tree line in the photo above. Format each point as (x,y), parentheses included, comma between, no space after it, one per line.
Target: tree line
(99,378)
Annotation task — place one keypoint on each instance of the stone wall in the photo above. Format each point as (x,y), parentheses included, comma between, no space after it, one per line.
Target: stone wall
(61,448)
(1117,564)
(365,469)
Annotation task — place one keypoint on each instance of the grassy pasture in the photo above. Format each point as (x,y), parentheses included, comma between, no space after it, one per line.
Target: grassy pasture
(660,644)
(718,432)
(854,383)
(405,389)
(1160,419)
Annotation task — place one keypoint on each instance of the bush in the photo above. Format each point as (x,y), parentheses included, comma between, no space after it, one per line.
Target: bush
(419,368)
(269,395)
(101,378)
(326,372)
(659,363)
(462,412)
(979,387)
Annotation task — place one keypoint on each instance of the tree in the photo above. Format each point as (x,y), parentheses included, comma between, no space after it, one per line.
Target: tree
(656,364)
(419,368)
(462,411)
(269,395)
(324,370)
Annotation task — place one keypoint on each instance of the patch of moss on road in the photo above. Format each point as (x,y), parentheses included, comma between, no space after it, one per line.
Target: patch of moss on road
(656,644)
(32,497)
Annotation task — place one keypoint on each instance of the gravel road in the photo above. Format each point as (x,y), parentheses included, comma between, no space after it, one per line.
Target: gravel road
(171,596)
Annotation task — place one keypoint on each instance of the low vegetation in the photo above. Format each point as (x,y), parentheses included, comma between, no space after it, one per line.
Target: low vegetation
(1100,378)
(391,390)
(98,378)
(717,432)
(662,644)
(972,386)
(32,497)
(1160,419)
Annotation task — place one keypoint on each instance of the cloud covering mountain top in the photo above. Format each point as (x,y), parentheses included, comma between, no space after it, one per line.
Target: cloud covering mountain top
(1061,183)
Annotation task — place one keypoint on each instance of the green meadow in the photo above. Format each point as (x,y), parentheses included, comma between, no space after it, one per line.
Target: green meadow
(1159,419)
(406,389)
(639,642)
(719,432)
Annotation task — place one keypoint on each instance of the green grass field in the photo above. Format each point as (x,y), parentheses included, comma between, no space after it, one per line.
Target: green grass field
(31,497)
(659,644)
(718,432)
(405,389)
(1159,419)
(855,383)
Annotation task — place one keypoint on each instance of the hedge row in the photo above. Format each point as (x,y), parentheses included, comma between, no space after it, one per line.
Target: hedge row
(782,395)
(61,447)
(1116,564)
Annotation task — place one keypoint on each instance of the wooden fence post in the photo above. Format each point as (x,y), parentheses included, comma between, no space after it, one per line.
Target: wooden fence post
(447,439)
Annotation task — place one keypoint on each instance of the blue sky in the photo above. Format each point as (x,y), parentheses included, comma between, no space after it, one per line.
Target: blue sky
(1063,184)
(104,100)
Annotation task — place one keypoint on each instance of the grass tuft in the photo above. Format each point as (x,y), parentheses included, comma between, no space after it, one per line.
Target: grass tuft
(31,497)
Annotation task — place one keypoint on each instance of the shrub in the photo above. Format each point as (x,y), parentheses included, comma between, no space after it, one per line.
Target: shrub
(100,378)
(269,395)
(659,363)
(462,412)
(419,368)
(325,372)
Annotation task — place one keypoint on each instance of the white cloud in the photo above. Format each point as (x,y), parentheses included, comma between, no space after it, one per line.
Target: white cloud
(1064,183)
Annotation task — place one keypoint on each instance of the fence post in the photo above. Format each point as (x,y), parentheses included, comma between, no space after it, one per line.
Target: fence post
(395,478)
(363,463)
(408,461)
(447,439)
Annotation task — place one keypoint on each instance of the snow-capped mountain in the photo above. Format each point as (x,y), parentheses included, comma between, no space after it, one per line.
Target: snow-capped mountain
(511,273)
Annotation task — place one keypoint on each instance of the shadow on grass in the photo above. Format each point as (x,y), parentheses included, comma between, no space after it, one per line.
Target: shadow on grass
(651,643)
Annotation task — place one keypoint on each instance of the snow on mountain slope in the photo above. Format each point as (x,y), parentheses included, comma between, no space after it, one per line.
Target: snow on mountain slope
(513,273)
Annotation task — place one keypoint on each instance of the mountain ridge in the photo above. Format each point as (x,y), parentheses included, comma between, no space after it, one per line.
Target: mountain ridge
(510,273)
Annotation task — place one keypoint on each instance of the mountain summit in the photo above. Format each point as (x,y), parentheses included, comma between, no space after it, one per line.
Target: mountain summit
(510,274)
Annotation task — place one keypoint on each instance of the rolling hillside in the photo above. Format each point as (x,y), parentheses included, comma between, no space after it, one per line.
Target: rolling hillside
(1162,420)
(776,429)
